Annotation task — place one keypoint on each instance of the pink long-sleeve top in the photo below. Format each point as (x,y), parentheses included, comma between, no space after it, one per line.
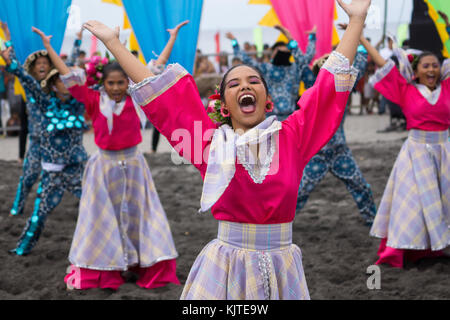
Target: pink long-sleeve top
(423,109)
(126,131)
(173,103)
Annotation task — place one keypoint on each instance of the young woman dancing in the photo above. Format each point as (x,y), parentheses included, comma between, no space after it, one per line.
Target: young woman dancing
(35,69)
(414,214)
(61,151)
(254,198)
(121,224)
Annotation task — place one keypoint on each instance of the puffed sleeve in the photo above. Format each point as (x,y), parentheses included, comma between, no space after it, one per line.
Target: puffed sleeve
(75,82)
(172,103)
(321,108)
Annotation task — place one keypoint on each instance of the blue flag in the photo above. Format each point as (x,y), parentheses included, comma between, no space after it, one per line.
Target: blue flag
(150,20)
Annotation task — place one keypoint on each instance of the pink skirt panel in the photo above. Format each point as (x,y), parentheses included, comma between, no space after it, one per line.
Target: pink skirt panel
(158,275)
(396,257)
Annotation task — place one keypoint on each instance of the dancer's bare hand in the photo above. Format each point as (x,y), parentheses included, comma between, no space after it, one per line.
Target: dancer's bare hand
(45,39)
(6,31)
(284,31)
(6,55)
(230,36)
(444,16)
(356,8)
(101,31)
(79,34)
(174,31)
(313,30)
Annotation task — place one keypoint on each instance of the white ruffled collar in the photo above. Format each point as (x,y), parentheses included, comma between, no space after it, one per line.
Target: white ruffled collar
(226,145)
(431,96)
(109,108)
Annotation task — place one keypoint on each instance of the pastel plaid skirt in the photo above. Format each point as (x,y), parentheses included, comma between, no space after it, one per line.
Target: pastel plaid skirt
(121,222)
(248,262)
(414,212)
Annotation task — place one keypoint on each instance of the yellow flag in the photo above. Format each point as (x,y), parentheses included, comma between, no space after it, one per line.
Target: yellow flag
(267,2)
(441,28)
(335,39)
(18,89)
(132,41)
(270,19)
(116,2)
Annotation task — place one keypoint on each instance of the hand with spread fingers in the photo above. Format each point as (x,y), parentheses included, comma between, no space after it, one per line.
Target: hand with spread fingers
(102,32)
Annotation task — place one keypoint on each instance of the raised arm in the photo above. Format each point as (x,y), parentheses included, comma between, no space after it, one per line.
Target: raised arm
(165,54)
(76,49)
(263,67)
(447,22)
(376,56)
(54,57)
(357,12)
(110,38)
(30,84)
(322,106)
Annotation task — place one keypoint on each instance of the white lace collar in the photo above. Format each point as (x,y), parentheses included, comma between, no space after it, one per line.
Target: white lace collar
(226,145)
(109,108)
(431,96)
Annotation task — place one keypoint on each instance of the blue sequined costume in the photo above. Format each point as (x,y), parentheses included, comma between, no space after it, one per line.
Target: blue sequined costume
(59,148)
(284,81)
(32,162)
(63,160)
(337,158)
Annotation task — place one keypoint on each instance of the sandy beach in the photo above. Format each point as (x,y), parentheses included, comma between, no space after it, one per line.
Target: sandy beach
(336,246)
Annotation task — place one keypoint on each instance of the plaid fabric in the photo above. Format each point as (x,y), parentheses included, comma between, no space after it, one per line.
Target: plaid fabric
(248,262)
(76,77)
(344,74)
(381,73)
(225,145)
(143,93)
(414,212)
(121,222)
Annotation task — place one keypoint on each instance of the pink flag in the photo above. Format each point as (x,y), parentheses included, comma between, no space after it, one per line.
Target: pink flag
(217,39)
(93,46)
(299,16)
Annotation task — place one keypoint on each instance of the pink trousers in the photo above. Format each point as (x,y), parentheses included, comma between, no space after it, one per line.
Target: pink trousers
(396,257)
(158,275)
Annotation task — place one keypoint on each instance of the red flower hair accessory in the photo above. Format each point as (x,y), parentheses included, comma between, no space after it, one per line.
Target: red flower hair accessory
(214,109)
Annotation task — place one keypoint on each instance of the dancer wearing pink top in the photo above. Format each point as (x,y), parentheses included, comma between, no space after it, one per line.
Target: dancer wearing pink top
(254,198)
(413,218)
(121,224)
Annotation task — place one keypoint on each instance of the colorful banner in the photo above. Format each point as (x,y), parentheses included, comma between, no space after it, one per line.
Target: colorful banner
(151,19)
(21,15)
(301,16)
(433,7)
(424,34)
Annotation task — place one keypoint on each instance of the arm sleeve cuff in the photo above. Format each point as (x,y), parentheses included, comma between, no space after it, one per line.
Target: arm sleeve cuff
(344,74)
(381,72)
(292,44)
(77,77)
(13,66)
(149,89)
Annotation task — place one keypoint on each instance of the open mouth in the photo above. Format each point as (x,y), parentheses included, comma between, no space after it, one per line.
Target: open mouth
(247,102)
(117,97)
(431,78)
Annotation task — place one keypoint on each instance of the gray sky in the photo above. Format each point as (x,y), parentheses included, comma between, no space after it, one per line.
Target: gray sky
(235,16)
